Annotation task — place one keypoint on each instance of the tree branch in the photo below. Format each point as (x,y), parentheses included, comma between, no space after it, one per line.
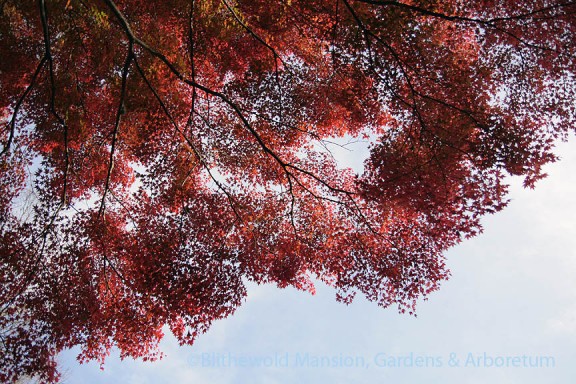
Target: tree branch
(119,113)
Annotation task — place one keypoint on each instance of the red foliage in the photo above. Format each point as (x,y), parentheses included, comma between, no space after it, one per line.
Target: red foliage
(156,155)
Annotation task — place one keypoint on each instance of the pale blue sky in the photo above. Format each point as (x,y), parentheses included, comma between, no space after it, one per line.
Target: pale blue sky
(512,293)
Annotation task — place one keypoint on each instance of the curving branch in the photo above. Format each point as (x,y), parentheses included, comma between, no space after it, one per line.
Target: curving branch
(429,12)
(120,111)
(490,23)
(12,123)
(187,140)
(254,34)
(237,110)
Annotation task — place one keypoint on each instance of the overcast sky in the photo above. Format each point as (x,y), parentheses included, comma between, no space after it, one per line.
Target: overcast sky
(511,301)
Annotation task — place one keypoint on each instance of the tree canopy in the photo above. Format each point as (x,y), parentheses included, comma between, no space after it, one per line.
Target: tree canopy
(158,155)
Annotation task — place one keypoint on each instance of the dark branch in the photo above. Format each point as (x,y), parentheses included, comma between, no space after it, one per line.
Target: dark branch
(119,113)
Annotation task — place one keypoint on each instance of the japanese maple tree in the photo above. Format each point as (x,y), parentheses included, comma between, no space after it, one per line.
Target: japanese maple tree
(157,155)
